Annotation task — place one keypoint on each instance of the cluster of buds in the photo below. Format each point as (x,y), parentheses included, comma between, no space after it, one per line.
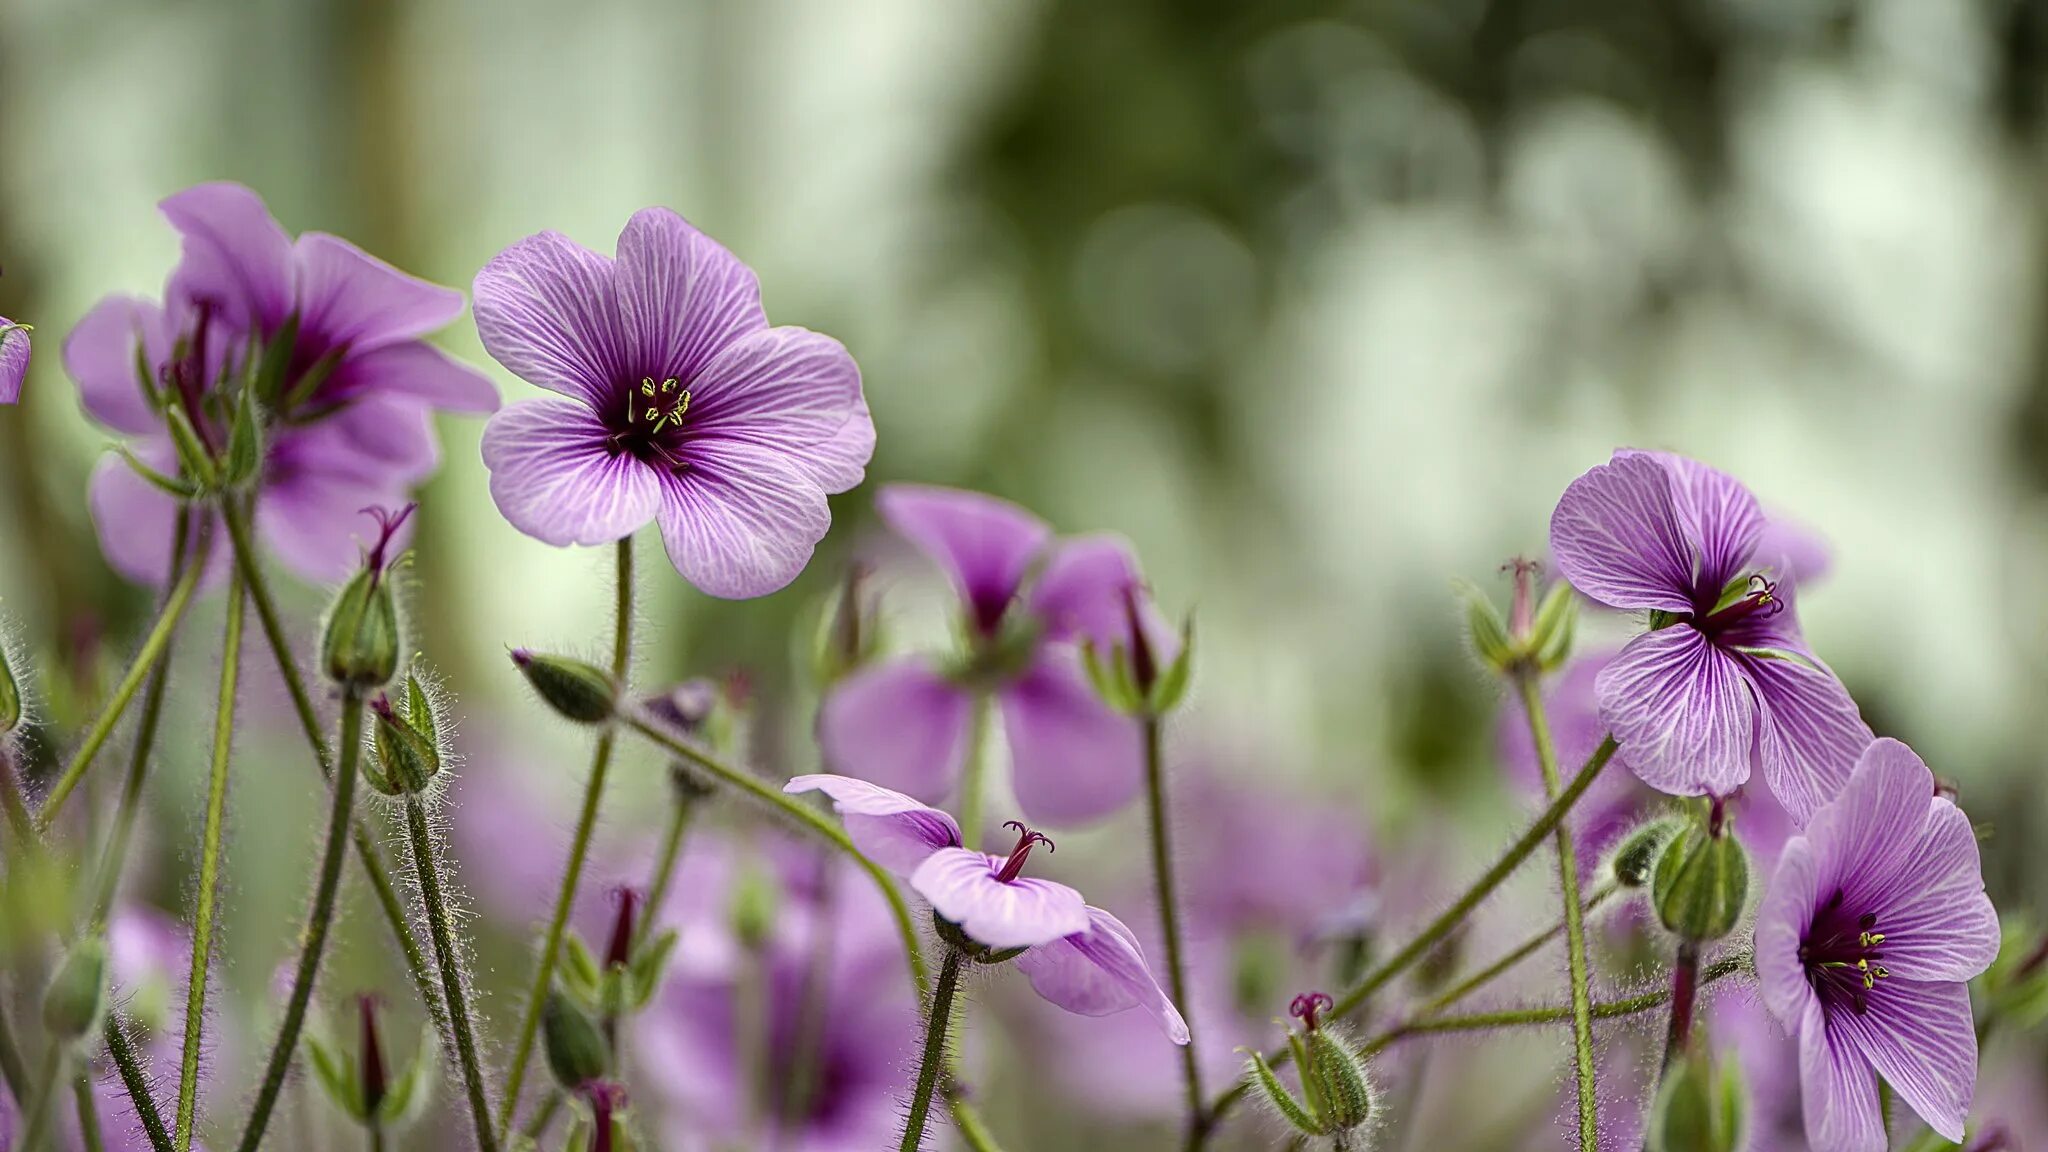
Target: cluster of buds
(577,690)
(1135,676)
(215,415)
(360,645)
(1700,884)
(1336,1092)
(1701,1106)
(366,1089)
(407,742)
(580,1018)
(1536,635)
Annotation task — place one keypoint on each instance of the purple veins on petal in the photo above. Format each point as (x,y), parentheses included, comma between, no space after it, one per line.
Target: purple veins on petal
(1101,970)
(888,827)
(14,351)
(983,544)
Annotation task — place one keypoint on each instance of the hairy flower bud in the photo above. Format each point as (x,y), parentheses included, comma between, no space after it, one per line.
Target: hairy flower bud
(848,634)
(10,695)
(361,644)
(576,1051)
(1700,1107)
(408,752)
(1635,861)
(575,689)
(1535,635)
(1701,882)
(1336,1090)
(76,998)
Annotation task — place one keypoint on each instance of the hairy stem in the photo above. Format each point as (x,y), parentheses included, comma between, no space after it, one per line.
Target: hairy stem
(1169,906)
(974,775)
(1513,957)
(537,1126)
(682,806)
(934,1060)
(136,1080)
(449,961)
(1685,980)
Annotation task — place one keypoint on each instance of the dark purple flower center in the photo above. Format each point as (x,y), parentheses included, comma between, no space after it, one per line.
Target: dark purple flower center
(1761,597)
(1841,954)
(1308,1007)
(619,953)
(650,421)
(1026,839)
(371,1072)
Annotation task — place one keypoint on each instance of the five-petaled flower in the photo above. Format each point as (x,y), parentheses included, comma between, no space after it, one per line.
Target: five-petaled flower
(1724,680)
(906,722)
(1077,956)
(13,359)
(1872,926)
(682,405)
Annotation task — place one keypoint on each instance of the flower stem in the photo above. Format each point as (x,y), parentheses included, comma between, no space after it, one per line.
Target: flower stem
(683,805)
(1685,979)
(537,1126)
(447,959)
(37,1121)
(1521,952)
(934,1060)
(314,944)
(813,1003)
(209,863)
(579,848)
(88,1114)
(1169,905)
(136,1081)
(1574,926)
(974,776)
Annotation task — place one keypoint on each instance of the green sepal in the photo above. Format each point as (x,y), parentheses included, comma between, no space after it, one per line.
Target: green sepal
(407,1094)
(176,487)
(244,461)
(1699,1107)
(361,642)
(650,962)
(1635,862)
(1173,683)
(1341,1086)
(10,696)
(1701,884)
(1483,624)
(276,361)
(337,1078)
(309,383)
(1267,1085)
(193,457)
(580,974)
(577,690)
(575,1050)
(1557,622)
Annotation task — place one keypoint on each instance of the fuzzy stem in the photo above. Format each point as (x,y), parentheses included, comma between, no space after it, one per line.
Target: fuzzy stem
(209,864)
(1169,905)
(1521,952)
(936,1022)
(88,1113)
(579,848)
(449,961)
(1685,979)
(37,1113)
(974,776)
(314,944)
(136,1080)
(682,807)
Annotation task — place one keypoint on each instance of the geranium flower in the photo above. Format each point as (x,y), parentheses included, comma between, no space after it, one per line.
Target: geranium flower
(13,359)
(682,405)
(1724,680)
(1874,922)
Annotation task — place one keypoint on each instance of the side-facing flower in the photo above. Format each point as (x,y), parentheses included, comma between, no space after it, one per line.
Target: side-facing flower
(680,405)
(1872,927)
(1077,956)
(1723,681)
(13,359)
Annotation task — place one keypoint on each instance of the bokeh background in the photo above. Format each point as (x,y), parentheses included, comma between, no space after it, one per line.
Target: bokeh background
(1320,302)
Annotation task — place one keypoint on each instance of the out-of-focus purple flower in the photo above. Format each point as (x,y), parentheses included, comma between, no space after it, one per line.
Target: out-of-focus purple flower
(682,405)
(1724,679)
(13,359)
(351,423)
(151,957)
(1078,956)
(905,722)
(1874,922)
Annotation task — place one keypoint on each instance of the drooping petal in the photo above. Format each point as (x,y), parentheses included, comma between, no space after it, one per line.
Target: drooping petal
(555,479)
(547,309)
(962,886)
(682,296)
(900,724)
(235,257)
(379,442)
(415,370)
(1938,924)
(1682,710)
(1080,590)
(1073,757)
(13,360)
(1782,921)
(740,520)
(1838,1090)
(1721,516)
(888,827)
(350,299)
(1618,536)
(1810,732)
(1100,972)
(792,390)
(982,543)
(1920,1037)
(100,354)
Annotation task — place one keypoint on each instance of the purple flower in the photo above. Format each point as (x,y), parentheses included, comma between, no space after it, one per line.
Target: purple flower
(351,424)
(1874,921)
(13,359)
(906,722)
(682,405)
(1078,956)
(1724,680)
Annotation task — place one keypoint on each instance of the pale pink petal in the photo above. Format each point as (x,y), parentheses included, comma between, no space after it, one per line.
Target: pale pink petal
(1080,590)
(1720,514)
(792,390)
(1100,972)
(1920,1037)
(961,885)
(1938,924)
(100,354)
(1682,710)
(137,521)
(1782,921)
(888,827)
(1838,1090)
(417,371)
(1618,536)
(682,296)
(982,543)
(1073,757)
(900,724)
(235,257)
(350,299)
(740,520)
(554,478)
(1810,730)
(547,309)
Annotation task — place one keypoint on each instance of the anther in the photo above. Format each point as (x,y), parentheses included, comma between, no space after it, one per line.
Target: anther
(1308,1006)
(1026,838)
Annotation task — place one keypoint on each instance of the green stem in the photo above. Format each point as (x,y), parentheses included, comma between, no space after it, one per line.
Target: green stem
(11,1067)
(88,1114)
(579,848)
(543,1116)
(321,918)
(1507,962)
(1574,927)
(449,961)
(38,1112)
(136,1081)
(812,1005)
(934,1060)
(683,805)
(1169,906)
(209,864)
(974,776)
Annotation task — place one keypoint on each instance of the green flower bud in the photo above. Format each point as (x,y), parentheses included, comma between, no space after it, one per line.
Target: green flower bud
(76,999)
(1534,635)
(575,689)
(1636,860)
(1700,1107)
(244,460)
(1336,1090)
(10,695)
(408,755)
(755,903)
(361,645)
(576,1051)
(848,633)
(1487,631)
(1701,883)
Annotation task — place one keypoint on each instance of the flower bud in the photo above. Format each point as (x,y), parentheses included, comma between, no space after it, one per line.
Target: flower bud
(1146,673)
(576,1051)
(607,1128)
(370,1074)
(848,635)
(244,459)
(756,901)
(1535,635)
(408,753)
(1701,883)
(1336,1091)
(77,996)
(1487,631)
(361,644)
(1635,861)
(575,689)
(1700,1107)
(10,695)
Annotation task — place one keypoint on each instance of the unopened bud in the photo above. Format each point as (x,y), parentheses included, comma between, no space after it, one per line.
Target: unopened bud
(77,996)
(1700,1107)
(361,644)
(756,901)
(1701,883)
(575,689)
(408,752)
(10,695)
(1336,1090)
(371,1078)
(1537,633)
(576,1051)
(1635,861)
(847,635)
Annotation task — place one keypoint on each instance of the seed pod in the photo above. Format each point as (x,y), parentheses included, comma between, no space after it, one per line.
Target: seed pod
(360,647)
(576,690)
(1699,1108)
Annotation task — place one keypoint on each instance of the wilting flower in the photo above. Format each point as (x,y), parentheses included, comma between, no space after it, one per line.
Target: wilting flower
(905,722)
(13,359)
(1723,680)
(349,424)
(1873,924)
(1077,956)
(682,405)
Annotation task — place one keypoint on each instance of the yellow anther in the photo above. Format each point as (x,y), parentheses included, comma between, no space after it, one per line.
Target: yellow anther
(1872,939)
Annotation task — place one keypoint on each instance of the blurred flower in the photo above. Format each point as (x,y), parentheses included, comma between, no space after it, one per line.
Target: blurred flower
(13,359)
(1724,677)
(906,722)
(683,406)
(350,420)
(1873,924)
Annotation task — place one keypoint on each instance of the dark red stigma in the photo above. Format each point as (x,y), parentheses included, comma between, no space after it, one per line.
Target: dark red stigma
(620,952)
(605,1098)
(375,1082)
(1144,662)
(1026,838)
(1307,1006)
(388,524)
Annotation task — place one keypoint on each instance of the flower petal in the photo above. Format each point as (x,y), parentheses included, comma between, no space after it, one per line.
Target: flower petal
(898,723)
(1080,590)
(1721,516)
(792,390)
(961,885)
(1619,537)
(235,256)
(99,353)
(415,370)
(1920,1037)
(740,520)
(314,523)
(1838,1090)
(555,480)
(1682,710)
(888,827)
(547,309)
(1782,920)
(136,521)
(1100,972)
(840,463)
(350,299)
(1073,757)
(682,296)
(1937,921)
(1864,838)
(983,544)
(13,360)
(1810,732)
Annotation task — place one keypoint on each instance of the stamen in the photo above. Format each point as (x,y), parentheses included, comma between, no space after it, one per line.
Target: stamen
(1762,596)
(1026,838)
(1306,1006)
(388,524)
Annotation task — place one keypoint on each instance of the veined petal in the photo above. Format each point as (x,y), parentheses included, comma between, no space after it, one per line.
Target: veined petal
(1938,923)
(1100,972)
(137,522)
(350,299)
(554,478)
(740,520)
(962,886)
(415,370)
(99,353)
(378,442)
(1721,515)
(313,522)
(1073,758)
(235,257)
(1920,1037)
(682,295)
(547,309)
(840,462)
(1619,537)
(888,827)
(792,390)
(1682,710)
(13,361)
(982,543)
(1810,732)
(1865,837)
(1837,1089)
(899,723)
(1080,590)
(1782,920)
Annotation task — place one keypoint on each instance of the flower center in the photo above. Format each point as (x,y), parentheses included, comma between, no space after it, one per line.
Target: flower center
(1841,954)
(1026,838)
(651,409)
(1761,597)
(1308,1006)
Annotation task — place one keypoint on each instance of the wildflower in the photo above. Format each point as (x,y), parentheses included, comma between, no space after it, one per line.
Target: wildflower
(1872,927)
(1723,681)
(13,359)
(680,405)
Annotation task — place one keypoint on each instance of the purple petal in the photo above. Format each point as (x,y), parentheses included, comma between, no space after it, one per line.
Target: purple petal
(983,544)
(1617,536)
(1073,757)
(1793,550)
(350,299)
(136,521)
(547,309)
(1720,514)
(313,522)
(1938,922)
(898,723)
(1810,731)
(1782,920)
(1865,838)
(1920,1037)
(13,360)
(414,370)
(1100,972)
(792,390)
(961,885)
(235,256)
(1838,1090)
(1080,590)
(740,520)
(1682,710)
(377,442)
(840,463)
(682,296)
(99,353)
(555,480)
(888,827)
